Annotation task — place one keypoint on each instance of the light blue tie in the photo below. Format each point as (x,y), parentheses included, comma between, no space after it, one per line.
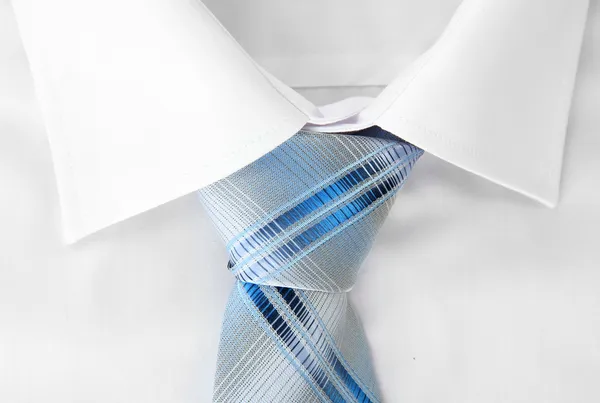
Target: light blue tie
(298,223)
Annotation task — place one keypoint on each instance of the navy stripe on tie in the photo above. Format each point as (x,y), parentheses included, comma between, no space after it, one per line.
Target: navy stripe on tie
(292,299)
(252,240)
(287,336)
(257,270)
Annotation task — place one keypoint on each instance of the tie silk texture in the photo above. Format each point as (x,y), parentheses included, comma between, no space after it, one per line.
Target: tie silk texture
(298,223)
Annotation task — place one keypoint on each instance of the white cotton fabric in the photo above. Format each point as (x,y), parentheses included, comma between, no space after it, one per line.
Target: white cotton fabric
(147,100)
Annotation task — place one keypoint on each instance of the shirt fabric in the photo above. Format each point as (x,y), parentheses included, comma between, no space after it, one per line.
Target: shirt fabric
(158,81)
(497,297)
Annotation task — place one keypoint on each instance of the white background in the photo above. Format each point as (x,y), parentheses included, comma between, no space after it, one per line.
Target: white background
(471,294)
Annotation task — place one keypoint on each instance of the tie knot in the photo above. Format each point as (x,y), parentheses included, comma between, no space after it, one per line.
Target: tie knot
(305,214)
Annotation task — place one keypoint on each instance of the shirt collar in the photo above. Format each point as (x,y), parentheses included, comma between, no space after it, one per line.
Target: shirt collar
(146,100)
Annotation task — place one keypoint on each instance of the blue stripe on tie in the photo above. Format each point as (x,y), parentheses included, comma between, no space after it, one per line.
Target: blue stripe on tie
(274,259)
(380,162)
(277,258)
(308,320)
(293,202)
(287,336)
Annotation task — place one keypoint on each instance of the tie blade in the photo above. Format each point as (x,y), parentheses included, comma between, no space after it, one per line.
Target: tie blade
(284,345)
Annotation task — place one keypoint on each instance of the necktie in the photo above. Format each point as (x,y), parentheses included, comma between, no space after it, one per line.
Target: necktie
(298,223)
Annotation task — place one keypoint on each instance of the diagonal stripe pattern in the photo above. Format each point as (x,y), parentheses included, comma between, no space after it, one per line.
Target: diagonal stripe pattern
(298,223)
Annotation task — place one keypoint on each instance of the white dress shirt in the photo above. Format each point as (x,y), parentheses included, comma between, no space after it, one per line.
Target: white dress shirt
(160,90)
(472,292)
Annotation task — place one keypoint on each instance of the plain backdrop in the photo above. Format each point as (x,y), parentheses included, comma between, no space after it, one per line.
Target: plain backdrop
(471,294)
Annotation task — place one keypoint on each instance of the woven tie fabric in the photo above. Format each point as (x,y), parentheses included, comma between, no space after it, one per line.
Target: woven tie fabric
(298,223)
